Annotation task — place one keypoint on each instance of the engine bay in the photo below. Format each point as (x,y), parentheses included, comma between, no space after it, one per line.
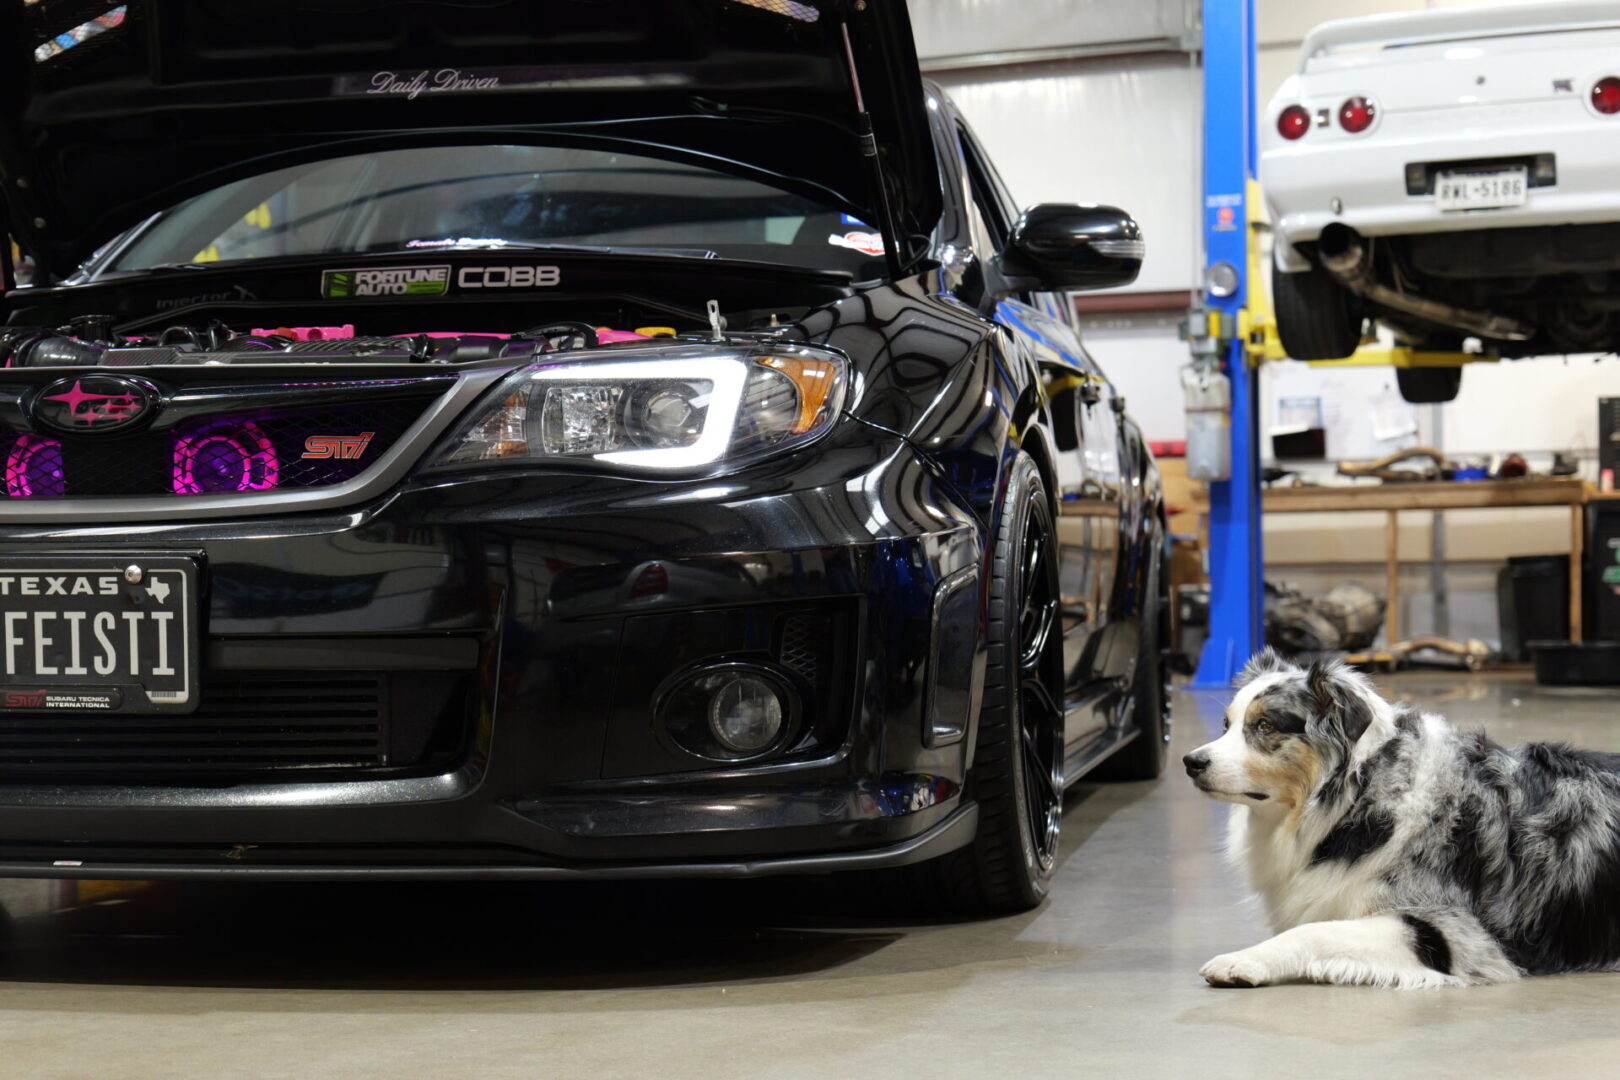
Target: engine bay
(90,342)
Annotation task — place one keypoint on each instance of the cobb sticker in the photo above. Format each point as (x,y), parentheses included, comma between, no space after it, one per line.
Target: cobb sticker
(392,281)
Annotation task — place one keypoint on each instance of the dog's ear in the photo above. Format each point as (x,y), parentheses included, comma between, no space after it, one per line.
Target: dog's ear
(1265,662)
(1337,700)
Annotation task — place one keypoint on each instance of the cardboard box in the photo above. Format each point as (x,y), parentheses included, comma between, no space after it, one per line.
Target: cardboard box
(1179,490)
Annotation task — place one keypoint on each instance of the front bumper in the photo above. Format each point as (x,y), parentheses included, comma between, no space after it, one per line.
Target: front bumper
(1366,174)
(535,591)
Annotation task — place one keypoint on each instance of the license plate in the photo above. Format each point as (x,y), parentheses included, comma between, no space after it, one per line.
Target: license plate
(98,633)
(1480,190)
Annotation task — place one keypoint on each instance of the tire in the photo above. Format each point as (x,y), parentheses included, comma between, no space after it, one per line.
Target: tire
(1143,757)
(1317,318)
(1017,774)
(1429,386)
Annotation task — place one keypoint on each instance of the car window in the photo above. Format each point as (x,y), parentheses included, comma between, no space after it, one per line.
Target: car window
(989,194)
(427,198)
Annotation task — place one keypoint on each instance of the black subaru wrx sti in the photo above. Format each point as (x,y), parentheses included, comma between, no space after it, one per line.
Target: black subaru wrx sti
(588,439)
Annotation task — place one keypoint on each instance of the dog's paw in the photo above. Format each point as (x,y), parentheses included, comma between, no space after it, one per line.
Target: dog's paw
(1238,969)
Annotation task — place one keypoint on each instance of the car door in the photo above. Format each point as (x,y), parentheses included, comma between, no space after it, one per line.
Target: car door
(1087,465)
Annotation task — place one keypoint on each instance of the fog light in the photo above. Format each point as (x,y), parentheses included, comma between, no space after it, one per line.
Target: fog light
(730,711)
(745,713)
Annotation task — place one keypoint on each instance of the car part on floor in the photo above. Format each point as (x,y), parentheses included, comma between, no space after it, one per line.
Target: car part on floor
(1295,625)
(1355,611)
(1473,653)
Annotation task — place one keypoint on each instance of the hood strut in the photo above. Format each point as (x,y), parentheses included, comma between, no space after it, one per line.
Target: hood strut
(869,151)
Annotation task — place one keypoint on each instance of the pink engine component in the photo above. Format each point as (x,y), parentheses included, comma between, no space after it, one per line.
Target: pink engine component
(310,333)
(604,336)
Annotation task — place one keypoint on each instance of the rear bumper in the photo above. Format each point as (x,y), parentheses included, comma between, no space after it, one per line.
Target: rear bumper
(1366,175)
(536,590)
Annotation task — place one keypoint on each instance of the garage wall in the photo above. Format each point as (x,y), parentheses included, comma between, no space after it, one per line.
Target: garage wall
(1072,131)
(1092,102)
(974,28)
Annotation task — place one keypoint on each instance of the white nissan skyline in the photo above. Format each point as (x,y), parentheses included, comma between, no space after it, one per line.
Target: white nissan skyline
(1452,174)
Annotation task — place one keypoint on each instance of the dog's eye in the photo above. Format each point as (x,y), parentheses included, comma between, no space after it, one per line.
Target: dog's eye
(1264,727)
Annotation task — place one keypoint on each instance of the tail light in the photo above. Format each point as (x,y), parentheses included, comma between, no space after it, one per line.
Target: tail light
(1294,121)
(1606,95)
(652,581)
(1356,115)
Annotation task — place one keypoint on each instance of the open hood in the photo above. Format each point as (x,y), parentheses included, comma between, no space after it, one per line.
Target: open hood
(180,96)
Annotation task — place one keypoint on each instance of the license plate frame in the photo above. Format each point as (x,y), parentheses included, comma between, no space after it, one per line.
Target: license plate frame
(1461,190)
(150,651)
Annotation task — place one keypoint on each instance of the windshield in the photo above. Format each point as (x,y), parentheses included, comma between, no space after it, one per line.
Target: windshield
(487,196)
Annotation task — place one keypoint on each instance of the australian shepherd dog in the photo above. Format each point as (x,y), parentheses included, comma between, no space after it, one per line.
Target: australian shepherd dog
(1391,849)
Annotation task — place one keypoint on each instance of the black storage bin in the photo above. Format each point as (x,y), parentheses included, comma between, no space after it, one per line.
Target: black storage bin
(1532,602)
(1567,663)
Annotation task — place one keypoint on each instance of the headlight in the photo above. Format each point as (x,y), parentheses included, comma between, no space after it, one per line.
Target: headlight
(656,409)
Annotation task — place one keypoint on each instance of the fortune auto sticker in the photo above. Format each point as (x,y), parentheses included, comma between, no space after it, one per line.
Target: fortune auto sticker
(392,281)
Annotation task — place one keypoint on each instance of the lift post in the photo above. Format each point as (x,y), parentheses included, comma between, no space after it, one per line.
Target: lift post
(1235,540)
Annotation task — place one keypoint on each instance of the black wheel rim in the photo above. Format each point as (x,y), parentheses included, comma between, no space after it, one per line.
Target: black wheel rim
(1039,665)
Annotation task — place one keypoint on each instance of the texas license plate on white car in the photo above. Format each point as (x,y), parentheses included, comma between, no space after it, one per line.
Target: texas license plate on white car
(98,633)
(1480,190)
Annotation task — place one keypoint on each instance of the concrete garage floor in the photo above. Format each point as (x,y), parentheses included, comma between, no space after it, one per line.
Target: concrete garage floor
(777,980)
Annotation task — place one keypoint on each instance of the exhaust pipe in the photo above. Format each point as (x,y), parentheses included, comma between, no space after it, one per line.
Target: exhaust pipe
(1344,257)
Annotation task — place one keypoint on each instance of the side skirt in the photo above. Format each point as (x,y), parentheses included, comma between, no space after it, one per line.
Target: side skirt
(1086,756)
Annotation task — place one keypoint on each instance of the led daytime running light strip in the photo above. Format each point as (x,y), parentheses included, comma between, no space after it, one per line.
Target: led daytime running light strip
(729,377)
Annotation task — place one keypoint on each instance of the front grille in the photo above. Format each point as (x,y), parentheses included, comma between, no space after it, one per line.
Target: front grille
(806,636)
(221,453)
(251,724)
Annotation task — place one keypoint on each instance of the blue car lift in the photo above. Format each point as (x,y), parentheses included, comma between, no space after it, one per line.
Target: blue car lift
(1236,572)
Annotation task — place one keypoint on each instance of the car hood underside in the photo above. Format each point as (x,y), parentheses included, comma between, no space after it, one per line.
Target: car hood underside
(181,96)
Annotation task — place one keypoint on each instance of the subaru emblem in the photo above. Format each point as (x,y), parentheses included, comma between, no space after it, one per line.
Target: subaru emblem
(91,404)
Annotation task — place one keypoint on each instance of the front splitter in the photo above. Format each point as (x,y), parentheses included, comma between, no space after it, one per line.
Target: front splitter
(954,832)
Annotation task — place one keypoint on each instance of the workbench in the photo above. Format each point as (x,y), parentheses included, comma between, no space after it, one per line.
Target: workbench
(1429,496)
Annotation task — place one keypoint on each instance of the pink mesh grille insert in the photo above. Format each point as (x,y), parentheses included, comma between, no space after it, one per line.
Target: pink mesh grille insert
(34,468)
(226,456)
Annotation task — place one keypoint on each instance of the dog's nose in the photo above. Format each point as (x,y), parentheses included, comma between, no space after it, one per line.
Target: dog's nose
(1196,762)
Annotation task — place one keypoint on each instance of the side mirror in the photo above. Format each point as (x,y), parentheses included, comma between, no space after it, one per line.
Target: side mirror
(1062,246)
